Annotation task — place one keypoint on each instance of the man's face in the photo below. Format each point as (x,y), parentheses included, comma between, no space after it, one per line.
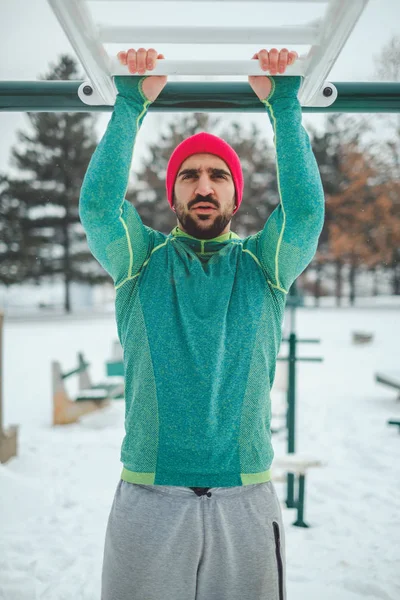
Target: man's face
(204,180)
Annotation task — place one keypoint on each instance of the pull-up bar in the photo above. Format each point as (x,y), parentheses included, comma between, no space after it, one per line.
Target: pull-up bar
(62,96)
(326,36)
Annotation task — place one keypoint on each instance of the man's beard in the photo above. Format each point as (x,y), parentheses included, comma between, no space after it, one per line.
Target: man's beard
(216,225)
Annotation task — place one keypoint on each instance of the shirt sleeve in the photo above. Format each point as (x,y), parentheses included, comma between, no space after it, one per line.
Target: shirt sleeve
(289,239)
(116,235)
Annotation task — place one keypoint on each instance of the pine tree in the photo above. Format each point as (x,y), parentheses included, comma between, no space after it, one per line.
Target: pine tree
(11,238)
(46,240)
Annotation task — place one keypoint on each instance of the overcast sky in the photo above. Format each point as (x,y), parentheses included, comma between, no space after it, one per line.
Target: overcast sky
(31,38)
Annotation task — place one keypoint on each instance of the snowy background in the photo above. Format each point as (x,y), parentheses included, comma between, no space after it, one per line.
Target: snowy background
(56,495)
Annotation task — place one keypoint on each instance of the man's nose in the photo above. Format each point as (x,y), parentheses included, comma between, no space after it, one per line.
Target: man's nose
(204,186)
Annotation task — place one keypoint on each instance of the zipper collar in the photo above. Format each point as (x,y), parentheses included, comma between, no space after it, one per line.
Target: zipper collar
(204,246)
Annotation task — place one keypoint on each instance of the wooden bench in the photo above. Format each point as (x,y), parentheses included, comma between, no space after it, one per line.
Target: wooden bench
(88,390)
(298,465)
(8,437)
(115,365)
(90,397)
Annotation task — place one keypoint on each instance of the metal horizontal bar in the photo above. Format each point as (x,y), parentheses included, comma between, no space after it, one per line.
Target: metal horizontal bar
(62,96)
(293,34)
(207,67)
(265,1)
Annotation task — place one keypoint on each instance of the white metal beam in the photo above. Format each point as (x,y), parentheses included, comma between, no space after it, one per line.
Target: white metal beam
(305,34)
(79,28)
(338,23)
(208,67)
(326,36)
(216,1)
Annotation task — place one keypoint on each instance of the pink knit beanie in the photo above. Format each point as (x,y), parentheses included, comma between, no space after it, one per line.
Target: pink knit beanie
(210,144)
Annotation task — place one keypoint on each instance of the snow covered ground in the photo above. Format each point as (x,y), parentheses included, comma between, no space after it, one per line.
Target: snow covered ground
(56,495)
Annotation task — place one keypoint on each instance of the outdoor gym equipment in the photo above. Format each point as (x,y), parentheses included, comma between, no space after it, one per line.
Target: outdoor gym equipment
(326,37)
(90,397)
(292,359)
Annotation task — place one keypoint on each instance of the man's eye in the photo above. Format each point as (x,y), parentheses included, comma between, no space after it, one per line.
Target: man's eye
(188,176)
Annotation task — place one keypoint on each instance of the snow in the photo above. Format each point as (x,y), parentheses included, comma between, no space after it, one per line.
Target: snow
(56,495)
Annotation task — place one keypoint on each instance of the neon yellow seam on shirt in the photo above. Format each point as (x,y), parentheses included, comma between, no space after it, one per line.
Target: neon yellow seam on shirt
(278,246)
(127,238)
(259,264)
(144,264)
(120,208)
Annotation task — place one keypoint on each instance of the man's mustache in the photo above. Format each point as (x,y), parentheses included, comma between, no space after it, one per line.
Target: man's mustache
(200,199)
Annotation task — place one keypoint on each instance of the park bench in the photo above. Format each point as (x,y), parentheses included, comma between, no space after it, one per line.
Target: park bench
(115,365)
(87,389)
(390,379)
(90,397)
(298,465)
(394,422)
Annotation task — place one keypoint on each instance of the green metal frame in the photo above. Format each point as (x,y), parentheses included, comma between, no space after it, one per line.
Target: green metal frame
(300,503)
(292,359)
(62,96)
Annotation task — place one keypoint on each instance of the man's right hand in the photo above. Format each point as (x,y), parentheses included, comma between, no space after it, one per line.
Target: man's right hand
(138,62)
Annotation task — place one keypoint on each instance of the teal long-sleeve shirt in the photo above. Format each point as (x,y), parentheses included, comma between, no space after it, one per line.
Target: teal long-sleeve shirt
(200,321)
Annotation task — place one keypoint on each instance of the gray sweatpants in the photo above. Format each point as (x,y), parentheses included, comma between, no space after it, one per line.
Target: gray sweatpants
(167,542)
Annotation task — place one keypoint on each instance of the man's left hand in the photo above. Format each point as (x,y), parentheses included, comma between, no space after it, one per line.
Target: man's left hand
(273,61)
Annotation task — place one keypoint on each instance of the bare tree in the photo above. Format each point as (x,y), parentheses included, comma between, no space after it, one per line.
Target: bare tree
(387,68)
